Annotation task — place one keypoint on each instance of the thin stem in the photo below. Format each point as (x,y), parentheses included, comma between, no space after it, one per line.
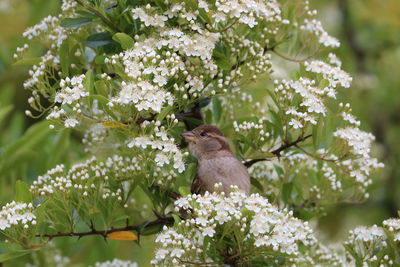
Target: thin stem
(104,233)
(294,59)
(277,152)
(317,156)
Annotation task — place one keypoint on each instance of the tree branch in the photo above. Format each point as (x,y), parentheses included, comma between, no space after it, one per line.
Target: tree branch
(104,233)
(277,152)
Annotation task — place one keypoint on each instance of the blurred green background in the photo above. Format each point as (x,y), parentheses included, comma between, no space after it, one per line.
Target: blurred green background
(369,31)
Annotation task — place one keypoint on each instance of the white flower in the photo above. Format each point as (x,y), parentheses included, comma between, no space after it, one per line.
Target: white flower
(70,123)
(16,213)
(262,225)
(333,74)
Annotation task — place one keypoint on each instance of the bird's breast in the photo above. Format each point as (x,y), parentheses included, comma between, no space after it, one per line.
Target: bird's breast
(226,170)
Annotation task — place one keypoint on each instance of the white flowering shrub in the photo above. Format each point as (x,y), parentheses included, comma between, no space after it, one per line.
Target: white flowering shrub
(129,76)
(374,246)
(234,229)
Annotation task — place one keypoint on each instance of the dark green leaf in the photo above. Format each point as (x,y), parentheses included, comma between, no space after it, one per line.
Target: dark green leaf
(257,184)
(65,58)
(75,22)
(286,191)
(217,109)
(88,82)
(99,39)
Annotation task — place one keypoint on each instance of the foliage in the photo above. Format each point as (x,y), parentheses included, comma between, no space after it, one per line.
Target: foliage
(132,75)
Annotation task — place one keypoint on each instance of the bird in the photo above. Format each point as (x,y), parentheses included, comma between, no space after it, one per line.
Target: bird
(216,162)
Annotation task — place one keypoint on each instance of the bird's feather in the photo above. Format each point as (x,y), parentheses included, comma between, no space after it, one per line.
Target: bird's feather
(226,170)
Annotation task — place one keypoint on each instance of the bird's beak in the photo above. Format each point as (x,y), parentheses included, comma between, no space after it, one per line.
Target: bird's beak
(188,136)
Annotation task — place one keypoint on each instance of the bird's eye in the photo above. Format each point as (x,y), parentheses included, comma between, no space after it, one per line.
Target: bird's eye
(203,134)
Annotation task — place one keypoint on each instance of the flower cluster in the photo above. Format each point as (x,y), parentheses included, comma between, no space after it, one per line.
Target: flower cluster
(370,245)
(333,74)
(393,226)
(16,213)
(312,98)
(166,151)
(360,146)
(88,179)
(246,12)
(262,226)
(316,28)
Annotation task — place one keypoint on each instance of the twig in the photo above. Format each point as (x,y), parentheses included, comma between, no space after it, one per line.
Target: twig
(294,59)
(277,152)
(313,155)
(104,233)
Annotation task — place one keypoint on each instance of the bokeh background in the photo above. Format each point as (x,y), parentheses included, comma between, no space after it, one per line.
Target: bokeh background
(369,31)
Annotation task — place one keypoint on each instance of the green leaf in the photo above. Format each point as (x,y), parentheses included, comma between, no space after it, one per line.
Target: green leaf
(27,61)
(75,22)
(286,191)
(88,82)
(4,111)
(217,109)
(65,58)
(17,150)
(12,255)
(164,113)
(86,14)
(22,194)
(124,40)
(184,191)
(177,219)
(99,39)
(257,184)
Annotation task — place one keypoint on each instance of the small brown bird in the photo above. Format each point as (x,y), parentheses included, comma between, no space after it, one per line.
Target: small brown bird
(216,162)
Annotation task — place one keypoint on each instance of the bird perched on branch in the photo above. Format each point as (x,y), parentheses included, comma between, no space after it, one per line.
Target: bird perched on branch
(216,162)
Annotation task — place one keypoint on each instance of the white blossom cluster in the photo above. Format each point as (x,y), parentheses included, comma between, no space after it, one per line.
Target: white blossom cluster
(393,226)
(72,90)
(324,38)
(301,169)
(261,226)
(312,96)
(359,142)
(49,28)
(369,245)
(16,213)
(88,179)
(37,75)
(257,129)
(143,95)
(334,74)
(116,263)
(311,99)
(246,12)
(164,146)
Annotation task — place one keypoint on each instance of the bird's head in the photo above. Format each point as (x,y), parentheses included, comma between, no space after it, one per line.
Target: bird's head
(206,141)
